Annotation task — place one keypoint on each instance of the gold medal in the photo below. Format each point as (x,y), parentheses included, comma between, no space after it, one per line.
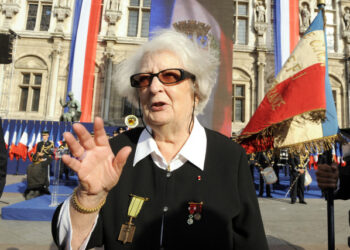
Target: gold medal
(128,229)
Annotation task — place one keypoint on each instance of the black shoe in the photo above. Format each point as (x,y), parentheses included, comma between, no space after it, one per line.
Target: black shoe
(260,195)
(292,202)
(269,196)
(302,202)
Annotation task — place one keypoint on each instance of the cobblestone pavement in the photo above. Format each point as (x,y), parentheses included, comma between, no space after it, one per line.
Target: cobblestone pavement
(287,226)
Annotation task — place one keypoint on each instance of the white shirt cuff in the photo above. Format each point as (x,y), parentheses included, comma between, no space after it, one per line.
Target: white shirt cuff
(65,229)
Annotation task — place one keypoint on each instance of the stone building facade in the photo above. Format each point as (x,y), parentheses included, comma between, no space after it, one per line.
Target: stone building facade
(253,55)
(32,85)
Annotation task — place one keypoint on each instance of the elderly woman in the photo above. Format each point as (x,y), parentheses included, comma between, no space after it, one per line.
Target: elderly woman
(171,185)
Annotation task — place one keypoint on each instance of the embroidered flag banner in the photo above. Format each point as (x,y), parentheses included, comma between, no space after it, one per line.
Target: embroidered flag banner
(286,30)
(299,109)
(211,22)
(82,54)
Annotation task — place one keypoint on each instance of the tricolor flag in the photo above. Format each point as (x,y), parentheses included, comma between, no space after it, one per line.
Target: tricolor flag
(339,155)
(286,30)
(33,150)
(298,111)
(13,146)
(22,144)
(32,137)
(7,135)
(211,23)
(82,54)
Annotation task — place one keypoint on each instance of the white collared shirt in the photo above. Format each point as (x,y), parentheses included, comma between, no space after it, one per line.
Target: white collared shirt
(193,150)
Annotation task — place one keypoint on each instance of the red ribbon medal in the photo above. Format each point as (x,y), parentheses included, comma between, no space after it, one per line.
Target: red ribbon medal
(195,211)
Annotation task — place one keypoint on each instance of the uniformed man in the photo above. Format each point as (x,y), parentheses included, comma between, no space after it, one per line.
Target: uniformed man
(297,178)
(263,162)
(38,172)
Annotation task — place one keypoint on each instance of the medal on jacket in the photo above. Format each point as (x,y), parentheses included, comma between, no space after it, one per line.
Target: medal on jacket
(195,211)
(128,229)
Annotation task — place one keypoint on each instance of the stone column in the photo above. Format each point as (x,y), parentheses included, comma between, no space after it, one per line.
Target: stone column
(261,63)
(109,55)
(260,27)
(55,63)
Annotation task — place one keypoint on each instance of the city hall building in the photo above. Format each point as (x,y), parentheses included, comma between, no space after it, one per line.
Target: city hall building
(32,85)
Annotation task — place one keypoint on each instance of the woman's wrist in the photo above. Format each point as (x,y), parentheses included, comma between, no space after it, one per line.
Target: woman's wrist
(85,203)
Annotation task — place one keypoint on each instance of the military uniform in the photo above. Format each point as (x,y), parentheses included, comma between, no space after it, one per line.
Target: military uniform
(263,162)
(38,172)
(297,188)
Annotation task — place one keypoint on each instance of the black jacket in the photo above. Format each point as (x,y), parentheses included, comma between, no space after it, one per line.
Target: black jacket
(230,218)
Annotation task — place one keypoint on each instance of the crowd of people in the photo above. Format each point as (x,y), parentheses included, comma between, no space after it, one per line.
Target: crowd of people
(294,165)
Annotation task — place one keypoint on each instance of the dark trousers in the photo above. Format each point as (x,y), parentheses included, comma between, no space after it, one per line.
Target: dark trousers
(276,168)
(298,188)
(261,187)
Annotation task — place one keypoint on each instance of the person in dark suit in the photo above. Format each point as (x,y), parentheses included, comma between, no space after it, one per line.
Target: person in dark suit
(38,172)
(263,162)
(3,160)
(171,185)
(297,178)
(252,163)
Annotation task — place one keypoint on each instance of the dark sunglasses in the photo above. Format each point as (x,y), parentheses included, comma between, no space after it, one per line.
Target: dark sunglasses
(166,76)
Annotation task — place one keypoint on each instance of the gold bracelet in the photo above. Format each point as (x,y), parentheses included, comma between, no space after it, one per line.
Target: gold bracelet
(78,207)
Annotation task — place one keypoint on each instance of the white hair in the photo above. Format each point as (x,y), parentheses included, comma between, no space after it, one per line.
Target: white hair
(201,62)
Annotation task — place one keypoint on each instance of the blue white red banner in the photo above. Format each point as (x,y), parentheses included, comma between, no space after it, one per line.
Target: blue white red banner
(82,54)
(286,30)
(299,109)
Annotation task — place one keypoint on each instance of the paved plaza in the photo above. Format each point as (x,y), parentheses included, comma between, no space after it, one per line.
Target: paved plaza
(287,226)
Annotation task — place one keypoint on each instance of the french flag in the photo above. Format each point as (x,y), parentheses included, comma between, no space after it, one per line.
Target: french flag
(13,147)
(7,135)
(31,143)
(22,144)
(286,30)
(217,16)
(82,54)
(33,150)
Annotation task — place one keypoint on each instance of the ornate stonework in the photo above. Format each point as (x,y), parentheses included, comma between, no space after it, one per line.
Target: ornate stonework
(112,17)
(61,13)
(9,10)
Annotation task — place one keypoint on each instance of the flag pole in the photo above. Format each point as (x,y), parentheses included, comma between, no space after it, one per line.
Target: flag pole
(329,192)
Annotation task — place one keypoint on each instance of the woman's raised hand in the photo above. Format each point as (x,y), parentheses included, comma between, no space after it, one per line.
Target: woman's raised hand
(98,169)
